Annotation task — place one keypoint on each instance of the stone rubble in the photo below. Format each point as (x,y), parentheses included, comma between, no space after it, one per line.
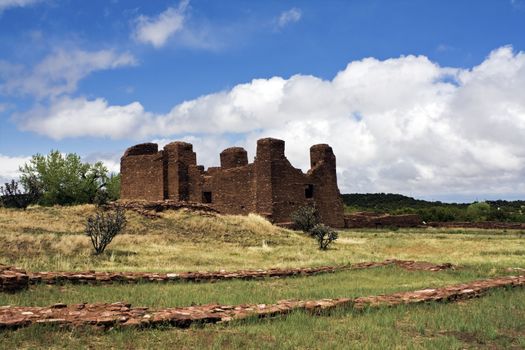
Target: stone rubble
(13,279)
(149,209)
(106,316)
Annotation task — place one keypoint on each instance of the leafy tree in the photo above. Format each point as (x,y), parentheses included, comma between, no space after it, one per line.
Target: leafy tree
(113,187)
(64,179)
(478,211)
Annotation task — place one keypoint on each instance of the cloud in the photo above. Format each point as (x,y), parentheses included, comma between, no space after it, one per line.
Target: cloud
(65,116)
(111,160)
(290,16)
(7,4)
(156,31)
(9,167)
(403,124)
(59,72)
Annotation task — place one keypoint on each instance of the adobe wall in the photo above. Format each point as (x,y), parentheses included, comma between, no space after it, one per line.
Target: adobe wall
(232,190)
(142,169)
(326,193)
(179,157)
(270,186)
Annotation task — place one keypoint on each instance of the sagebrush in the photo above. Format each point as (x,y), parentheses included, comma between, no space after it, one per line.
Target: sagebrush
(324,235)
(102,227)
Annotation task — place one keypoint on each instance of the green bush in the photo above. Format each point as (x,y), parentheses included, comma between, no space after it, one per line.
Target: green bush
(443,214)
(103,227)
(324,235)
(305,218)
(65,179)
(478,211)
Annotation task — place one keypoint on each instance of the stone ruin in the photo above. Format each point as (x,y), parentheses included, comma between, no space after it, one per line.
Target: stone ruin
(270,186)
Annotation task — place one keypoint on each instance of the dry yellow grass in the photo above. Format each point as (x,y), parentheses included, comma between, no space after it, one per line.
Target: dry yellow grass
(52,239)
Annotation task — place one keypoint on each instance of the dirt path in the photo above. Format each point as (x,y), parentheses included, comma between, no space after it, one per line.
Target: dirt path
(13,279)
(123,315)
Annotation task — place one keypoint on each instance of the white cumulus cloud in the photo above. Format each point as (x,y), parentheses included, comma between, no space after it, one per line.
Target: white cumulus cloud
(290,16)
(59,72)
(403,124)
(77,117)
(9,167)
(157,30)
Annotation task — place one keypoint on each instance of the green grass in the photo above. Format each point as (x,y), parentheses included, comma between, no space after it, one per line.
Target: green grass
(494,322)
(51,239)
(342,284)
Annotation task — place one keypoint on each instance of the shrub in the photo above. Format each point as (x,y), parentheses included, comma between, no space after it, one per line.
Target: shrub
(478,211)
(324,235)
(12,197)
(102,227)
(305,218)
(101,198)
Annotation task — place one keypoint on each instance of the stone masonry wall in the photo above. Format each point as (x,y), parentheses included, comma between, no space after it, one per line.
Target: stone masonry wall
(270,186)
(142,169)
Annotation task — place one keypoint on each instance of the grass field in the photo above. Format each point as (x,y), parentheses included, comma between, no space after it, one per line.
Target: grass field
(51,239)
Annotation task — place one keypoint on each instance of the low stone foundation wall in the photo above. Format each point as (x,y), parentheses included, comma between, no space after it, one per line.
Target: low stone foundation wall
(496,225)
(150,209)
(373,220)
(123,315)
(13,279)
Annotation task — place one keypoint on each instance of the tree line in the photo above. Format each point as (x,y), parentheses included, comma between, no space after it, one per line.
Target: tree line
(499,210)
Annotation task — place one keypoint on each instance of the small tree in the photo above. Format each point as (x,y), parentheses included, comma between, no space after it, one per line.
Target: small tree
(103,227)
(12,197)
(324,235)
(478,211)
(305,218)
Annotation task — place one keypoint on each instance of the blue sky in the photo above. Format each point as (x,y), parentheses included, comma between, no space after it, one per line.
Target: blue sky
(394,86)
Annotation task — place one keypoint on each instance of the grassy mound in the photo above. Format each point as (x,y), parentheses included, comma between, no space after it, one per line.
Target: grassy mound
(53,238)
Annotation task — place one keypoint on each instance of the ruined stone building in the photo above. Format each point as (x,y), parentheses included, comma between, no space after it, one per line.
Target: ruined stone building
(270,186)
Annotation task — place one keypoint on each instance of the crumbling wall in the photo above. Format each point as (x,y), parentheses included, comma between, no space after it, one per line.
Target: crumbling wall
(270,186)
(179,158)
(142,173)
(231,190)
(325,191)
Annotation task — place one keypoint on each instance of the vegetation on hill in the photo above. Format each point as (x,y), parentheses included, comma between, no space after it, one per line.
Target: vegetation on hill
(500,210)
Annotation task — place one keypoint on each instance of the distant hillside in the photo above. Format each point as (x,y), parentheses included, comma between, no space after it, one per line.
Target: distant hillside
(389,202)
(499,210)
